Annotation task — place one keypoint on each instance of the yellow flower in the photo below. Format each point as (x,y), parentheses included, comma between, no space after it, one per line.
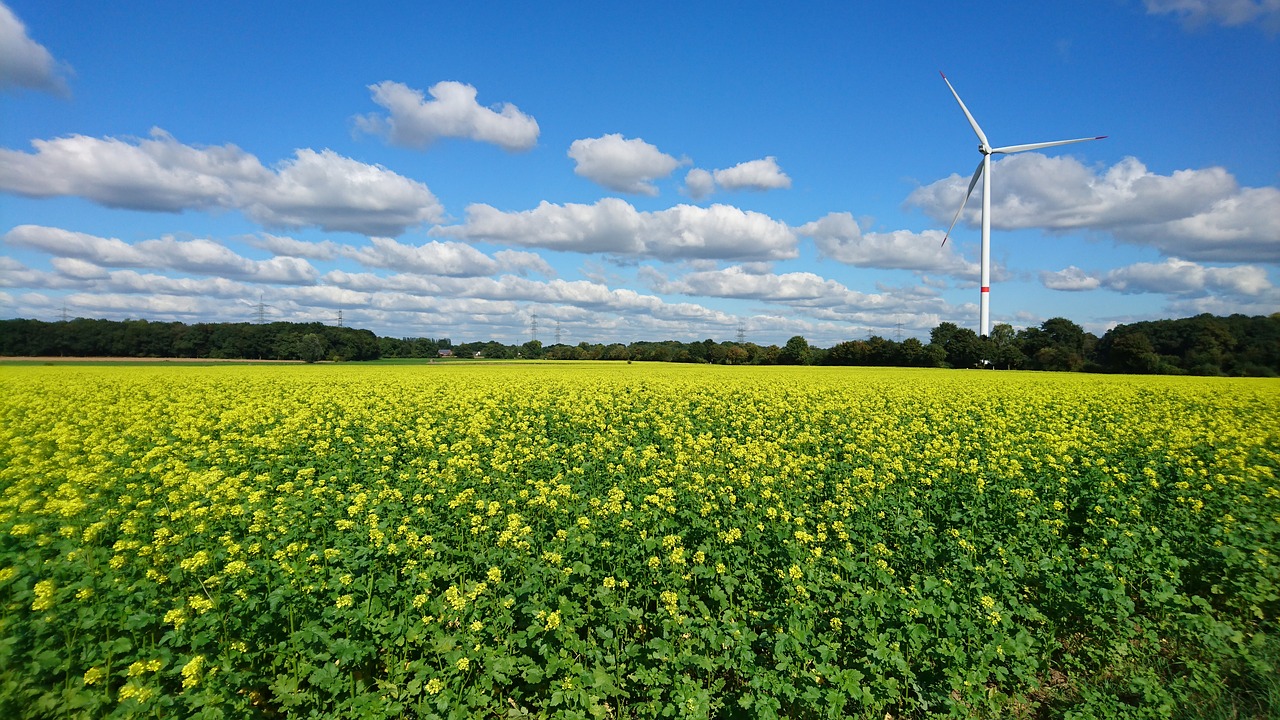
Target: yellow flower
(133,691)
(44,595)
(464,663)
(434,686)
(345,601)
(494,575)
(191,672)
(176,616)
(553,620)
(93,675)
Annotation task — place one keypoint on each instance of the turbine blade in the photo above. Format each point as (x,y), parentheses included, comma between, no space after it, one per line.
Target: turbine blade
(974,181)
(1036,146)
(981,136)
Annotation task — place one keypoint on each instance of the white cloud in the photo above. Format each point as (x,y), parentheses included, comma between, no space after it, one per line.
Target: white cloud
(737,282)
(761,174)
(321,189)
(14,274)
(130,281)
(522,262)
(839,237)
(290,247)
(1229,13)
(1244,226)
(1182,277)
(699,183)
(1071,279)
(334,192)
(811,295)
(78,269)
(615,227)
(452,112)
(152,306)
(490,295)
(25,63)
(200,256)
(432,258)
(1173,276)
(620,164)
(1196,214)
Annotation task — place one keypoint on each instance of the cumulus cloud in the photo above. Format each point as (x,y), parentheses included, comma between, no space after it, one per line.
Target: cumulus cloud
(839,237)
(159,173)
(624,165)
(413,121)
(1173,276)
(699,183)
(761,174)
(738,282)
(433,258)
(1228,13)
(78,269)
(1197,214)
(522,262)
(615,227)
(200,256)
(500,294)
(25,63)
(290,247)
(1070,279)
(810,294)
(1182,277)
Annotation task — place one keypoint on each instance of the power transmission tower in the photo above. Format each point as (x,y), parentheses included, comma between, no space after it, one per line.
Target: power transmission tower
(897,335)
(260,311)
(64,312)
(533,327)
(339,318)
(742,333)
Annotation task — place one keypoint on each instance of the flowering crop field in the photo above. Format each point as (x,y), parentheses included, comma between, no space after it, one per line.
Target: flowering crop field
(609,540)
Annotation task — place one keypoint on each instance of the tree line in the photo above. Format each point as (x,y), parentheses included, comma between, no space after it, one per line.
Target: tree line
(1237,345)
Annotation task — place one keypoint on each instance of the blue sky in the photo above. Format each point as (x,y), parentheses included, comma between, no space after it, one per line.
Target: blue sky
(684,170)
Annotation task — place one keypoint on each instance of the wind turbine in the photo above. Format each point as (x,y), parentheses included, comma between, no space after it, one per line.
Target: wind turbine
(984,171)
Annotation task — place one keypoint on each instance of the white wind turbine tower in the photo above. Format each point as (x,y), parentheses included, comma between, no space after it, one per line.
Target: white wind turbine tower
(984,170)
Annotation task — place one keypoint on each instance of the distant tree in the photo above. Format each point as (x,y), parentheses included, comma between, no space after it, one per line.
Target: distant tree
(1058,344)
(943,333)
(914,353)
(849,352)
(311,347)
(965,349)
(616,351)
(795,352)
(1132,352)
(1003,350)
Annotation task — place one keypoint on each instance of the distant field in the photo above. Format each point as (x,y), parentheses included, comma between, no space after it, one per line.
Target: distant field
(614,540)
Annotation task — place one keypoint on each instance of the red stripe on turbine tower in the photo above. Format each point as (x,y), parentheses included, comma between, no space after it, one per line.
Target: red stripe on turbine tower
(986,289)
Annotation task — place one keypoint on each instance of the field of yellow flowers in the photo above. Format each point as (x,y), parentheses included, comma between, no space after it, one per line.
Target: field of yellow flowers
(609,540)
